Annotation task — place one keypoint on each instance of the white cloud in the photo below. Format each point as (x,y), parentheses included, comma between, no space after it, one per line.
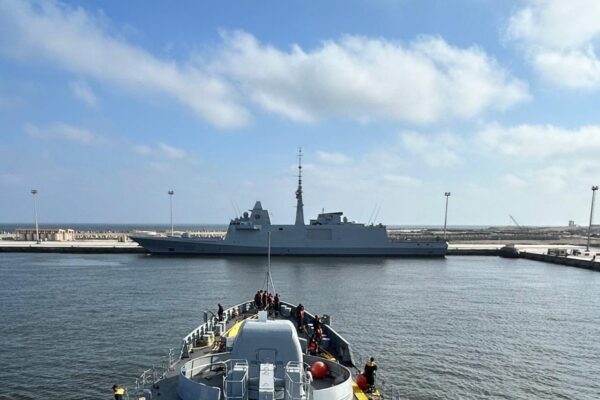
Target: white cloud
(80,42)
(161,150)
(170,151)
(559,38)
(401,180)
(332,157)
(540,141)
(421,82)
(61,131)
(436,150)
(142,150)
(82,91)
(365,79)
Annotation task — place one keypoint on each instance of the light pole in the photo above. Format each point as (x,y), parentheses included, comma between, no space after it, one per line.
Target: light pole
(171,193)
(37,231)
(594,188)
(447,194)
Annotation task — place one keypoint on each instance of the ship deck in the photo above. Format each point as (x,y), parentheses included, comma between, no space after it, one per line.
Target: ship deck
(166,388)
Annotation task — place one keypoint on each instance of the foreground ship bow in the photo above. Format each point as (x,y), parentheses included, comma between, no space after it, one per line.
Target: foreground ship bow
(250,354)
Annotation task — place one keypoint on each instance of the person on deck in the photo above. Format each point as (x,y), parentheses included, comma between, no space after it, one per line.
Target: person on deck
(257,298)
(118,392)
(276,302)
(264,300)
(369,372)
(300,316)
(313,347)
(318,328)
(220,312)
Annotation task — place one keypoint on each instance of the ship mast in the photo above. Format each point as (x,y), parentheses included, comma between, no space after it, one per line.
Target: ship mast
(300,205)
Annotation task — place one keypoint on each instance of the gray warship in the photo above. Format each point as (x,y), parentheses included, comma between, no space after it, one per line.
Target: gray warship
(329,234)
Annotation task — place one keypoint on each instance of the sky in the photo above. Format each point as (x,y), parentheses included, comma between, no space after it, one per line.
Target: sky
(105,106)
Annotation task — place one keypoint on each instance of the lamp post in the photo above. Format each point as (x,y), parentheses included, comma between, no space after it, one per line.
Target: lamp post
(37,231)
(171,193)
(447,194)
(594,188)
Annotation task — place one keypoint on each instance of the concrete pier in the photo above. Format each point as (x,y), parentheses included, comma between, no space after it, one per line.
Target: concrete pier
(76,247)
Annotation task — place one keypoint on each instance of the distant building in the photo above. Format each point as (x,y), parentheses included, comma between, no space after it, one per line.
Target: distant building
(571,223)
(49,234)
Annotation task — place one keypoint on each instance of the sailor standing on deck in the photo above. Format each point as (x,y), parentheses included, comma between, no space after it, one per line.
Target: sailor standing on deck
(220,312)
(300,316)
(370,368)
(276,302)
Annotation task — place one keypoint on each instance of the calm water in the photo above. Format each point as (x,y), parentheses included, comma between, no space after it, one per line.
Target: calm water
(460,328)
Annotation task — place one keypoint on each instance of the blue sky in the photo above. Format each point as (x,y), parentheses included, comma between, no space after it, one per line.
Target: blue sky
(106,105)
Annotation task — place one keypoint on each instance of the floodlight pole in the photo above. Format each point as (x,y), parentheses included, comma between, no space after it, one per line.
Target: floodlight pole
(37,231)
(594,188)
(171,193)
(447,194)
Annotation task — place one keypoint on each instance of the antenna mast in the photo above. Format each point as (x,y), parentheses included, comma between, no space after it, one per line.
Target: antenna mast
(269,278)
(299,205)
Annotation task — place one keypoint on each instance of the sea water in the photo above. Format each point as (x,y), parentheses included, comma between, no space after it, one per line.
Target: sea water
(71,326)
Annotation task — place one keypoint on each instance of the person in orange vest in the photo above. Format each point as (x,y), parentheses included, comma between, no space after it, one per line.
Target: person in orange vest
(118,392)
(313,347)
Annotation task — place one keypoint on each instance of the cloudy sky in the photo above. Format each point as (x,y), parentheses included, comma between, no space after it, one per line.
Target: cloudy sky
(106,105)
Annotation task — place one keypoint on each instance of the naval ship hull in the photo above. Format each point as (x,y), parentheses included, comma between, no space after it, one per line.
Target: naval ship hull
(190,246)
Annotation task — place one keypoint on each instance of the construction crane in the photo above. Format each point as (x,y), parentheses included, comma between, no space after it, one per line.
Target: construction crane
(515,221)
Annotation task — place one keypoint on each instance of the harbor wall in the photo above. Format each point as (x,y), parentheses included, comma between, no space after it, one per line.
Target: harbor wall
(562,260)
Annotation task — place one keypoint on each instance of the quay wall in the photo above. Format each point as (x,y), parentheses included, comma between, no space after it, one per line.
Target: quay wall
(562,260)
(73,250)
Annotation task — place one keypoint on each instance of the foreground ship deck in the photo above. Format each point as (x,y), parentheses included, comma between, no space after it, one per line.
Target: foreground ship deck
(253,354)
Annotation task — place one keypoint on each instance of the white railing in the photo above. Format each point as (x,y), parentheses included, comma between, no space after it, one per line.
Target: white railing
(241,382)
(297,385)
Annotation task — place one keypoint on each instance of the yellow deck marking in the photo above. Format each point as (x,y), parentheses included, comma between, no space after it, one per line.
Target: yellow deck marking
(358,393)
(235,329)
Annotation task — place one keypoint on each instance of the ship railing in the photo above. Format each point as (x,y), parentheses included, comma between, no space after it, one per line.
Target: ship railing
(235,380)
(152,375)
(297,385)
(211,362)
(195,337)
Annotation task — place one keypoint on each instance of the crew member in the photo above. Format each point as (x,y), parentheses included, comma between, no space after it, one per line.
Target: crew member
(118,392)
(318,328)
(300,316)
(264,300)
(257,299)
(313,347)
(220,312)
(370,368)
(276,302)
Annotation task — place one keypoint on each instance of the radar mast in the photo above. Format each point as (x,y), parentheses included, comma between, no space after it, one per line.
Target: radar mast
(299,205)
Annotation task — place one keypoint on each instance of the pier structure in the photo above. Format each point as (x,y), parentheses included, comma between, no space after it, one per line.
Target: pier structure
(45,234)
